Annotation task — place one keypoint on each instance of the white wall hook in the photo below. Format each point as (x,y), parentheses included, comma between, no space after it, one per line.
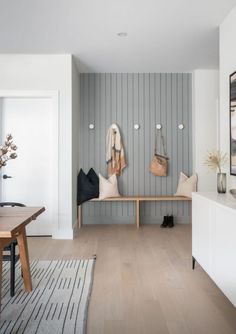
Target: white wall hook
(158,126)
(136,126)
(181,126)
(91,126)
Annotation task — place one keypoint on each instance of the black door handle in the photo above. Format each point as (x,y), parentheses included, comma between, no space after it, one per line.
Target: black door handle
(6,176)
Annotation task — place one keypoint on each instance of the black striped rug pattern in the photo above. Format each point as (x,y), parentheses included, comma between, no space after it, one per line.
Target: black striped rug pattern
(58,302)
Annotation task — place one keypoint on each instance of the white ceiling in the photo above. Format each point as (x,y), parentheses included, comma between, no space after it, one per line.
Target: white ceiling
(163,35)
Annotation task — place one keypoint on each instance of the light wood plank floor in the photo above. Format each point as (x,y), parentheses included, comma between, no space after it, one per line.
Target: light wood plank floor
(143,281)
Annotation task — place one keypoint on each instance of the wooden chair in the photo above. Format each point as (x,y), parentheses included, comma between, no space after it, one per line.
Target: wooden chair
(11,250)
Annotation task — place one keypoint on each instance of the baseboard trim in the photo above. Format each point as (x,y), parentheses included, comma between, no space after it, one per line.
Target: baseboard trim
(75,228)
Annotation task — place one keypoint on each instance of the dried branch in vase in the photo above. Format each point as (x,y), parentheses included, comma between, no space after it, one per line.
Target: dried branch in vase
(7,151)
(216,160)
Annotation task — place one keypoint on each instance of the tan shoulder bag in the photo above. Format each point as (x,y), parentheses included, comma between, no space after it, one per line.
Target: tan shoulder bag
(159,164)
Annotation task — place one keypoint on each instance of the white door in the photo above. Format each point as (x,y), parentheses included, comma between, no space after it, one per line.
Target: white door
(33,172)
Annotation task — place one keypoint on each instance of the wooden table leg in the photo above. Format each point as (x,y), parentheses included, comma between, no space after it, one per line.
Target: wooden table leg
(3,243)
(24,259)
(79,216)
(137,213)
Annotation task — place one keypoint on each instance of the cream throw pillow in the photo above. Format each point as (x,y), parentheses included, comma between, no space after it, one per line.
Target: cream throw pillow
(108,187)
(186,185)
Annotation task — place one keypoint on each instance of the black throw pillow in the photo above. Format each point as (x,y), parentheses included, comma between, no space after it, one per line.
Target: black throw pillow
(87,186)
(94,179)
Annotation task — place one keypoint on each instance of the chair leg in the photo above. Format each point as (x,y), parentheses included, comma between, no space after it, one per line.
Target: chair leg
(13,263)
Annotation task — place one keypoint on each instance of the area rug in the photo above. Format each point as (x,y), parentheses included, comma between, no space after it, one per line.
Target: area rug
(58,303)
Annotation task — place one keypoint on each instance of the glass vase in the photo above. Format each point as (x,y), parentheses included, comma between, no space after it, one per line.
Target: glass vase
(221,183)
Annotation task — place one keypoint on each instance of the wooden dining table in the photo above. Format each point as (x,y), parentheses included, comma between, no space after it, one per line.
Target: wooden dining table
(13,221)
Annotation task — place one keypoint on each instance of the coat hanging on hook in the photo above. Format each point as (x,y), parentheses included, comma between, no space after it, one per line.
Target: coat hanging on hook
(115,156)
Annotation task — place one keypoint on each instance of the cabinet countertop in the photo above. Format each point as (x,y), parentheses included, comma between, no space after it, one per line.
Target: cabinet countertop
(225,200)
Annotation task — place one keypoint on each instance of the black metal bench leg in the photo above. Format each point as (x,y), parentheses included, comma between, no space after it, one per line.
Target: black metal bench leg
(193,262)
(13,263)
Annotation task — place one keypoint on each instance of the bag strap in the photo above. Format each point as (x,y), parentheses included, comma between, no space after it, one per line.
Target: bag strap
(162,143)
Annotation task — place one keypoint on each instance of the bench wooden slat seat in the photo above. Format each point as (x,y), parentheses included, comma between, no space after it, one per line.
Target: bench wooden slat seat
(136,199)
(143,198)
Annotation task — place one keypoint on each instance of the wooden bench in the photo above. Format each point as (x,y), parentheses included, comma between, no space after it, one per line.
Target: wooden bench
(136,199)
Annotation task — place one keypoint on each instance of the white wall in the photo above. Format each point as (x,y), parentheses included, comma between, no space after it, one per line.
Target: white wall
(48,72)
(205,116)
(227,66)
(75,138)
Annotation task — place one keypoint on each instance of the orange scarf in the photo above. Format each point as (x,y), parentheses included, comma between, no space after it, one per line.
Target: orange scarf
(115,156)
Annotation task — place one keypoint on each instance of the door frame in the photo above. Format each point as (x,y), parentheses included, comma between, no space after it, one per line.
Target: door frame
(54,96)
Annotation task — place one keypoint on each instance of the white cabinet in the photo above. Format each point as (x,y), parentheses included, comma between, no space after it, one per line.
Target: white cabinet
(214,239)
(200,230)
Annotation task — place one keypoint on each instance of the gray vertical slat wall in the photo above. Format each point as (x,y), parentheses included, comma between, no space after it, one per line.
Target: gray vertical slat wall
(145,99)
